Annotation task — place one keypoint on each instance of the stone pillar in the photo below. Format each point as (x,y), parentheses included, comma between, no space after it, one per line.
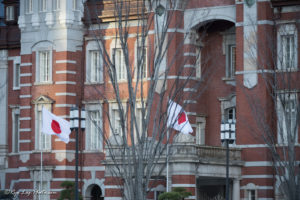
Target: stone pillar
(236,189)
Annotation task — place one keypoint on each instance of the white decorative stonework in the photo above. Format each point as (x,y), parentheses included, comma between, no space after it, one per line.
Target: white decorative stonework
(24,157)
(184,138)
(60,156)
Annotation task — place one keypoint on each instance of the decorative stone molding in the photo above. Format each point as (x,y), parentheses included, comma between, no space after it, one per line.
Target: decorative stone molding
(24,157)
(184,138)
(192,37)
(49,19)
(35,20)
(60,156)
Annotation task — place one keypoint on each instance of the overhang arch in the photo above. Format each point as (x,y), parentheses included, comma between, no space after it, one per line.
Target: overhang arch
(194,18)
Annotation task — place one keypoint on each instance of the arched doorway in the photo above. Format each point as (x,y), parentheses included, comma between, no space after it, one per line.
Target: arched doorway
(94,192)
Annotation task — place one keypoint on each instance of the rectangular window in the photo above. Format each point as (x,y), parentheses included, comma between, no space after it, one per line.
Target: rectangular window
(115,118)
(200,130)
(139,120)
(44,190)
(94,130)
(230,114)
(288,51)
(16,76)
(43,5)
(251,195)
(43,141)
(198,63)
(44,67)
(287,106)
(120,64)
(141,62)
(16,129)
(56,4)
(231,61)
(28,6)
(10,13)
(95,67)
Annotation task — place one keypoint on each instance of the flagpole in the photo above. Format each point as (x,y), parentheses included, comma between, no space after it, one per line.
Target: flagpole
(167,160)
(41,147)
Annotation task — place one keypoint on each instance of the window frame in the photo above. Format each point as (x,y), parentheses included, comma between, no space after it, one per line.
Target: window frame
(121,70)
(281,119)
(287,30)
(16,131)
(93,108)
(10,13)
(137,47)
(16,76)
(200,130)
(38,77)
(113,107)
(93,46)
(38,130)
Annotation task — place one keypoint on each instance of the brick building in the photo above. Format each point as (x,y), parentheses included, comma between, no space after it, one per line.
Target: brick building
(47,58)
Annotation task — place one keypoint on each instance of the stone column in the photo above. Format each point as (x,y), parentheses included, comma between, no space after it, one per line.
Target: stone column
(236,189)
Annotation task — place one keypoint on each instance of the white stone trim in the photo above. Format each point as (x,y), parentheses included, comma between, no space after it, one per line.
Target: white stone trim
(66,61)
(183,185)
(252,146)
(257,176)
(25,107)
(24,141)
(191,113)
(259,187)
(26,85)
(189,101)
(64,105)
(25,129)
(190,54)
(65,94)
(182,77)
(258,164)
(25,118)
(25,74)
(25,96)
(25,64)
(65,83)
(189,66)
(65,72)
(190,90)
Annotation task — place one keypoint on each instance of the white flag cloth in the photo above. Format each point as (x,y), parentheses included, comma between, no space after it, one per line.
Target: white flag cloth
(54,125)
(177,118)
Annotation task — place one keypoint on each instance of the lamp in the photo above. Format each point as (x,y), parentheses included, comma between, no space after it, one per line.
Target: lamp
(227,136)
(77,121)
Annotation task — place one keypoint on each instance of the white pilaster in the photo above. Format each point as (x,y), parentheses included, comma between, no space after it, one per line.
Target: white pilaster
(236,189)
(3,110)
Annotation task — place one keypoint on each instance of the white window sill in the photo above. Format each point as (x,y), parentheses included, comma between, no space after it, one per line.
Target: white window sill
(93,151)
(43,83)
(288,70)
(94,83)
(16,88)
(44,151)
(229,80)
(14,153)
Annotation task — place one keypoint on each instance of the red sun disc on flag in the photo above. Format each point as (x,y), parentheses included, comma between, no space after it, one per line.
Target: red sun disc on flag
(55,127)
(181,118)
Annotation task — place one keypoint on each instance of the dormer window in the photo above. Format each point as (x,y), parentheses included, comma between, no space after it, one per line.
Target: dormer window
(10,13)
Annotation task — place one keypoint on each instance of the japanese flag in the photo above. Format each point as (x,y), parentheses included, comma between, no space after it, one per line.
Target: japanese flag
(178,119)
(54,125)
